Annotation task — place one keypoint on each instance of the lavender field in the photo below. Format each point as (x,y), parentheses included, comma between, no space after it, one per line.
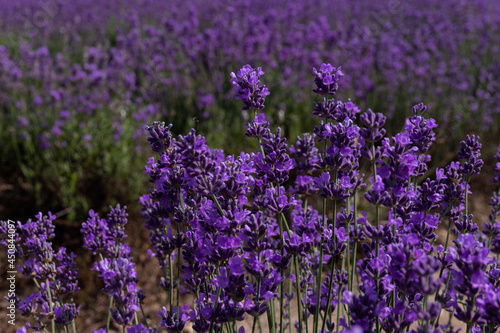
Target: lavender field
(265,166)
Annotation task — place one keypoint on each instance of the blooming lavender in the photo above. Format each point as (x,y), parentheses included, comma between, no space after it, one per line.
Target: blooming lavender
(246,85)
(54,274)
(279,232)
(105,237)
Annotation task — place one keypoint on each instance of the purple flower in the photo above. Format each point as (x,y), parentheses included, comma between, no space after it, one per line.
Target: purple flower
(173,322)
(140,328)
(326,79)
(420,129)
(246,85)
(496,172)
(281,203)
(470,151)
(120,280)
(160,137)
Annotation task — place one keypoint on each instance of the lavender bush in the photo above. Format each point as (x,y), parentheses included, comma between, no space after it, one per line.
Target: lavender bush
(73,71)
(276,238)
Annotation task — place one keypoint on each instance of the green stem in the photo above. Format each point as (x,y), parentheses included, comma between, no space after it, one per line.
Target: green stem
(49,295)
(466,197)
(260,324)
(108,321)
(258,297)
(219,208)
(450,222)
(318,275)
(330,287)
(273,313)
(299,296)
(338,308)
(374,169)
(215,307)
(178,275)
(144,316)
(282,283)
(348,250)
(436,323)
(334,222)
(290,325)
(354,251)
(377,245)
(377,224)
(171,284)
(270,319)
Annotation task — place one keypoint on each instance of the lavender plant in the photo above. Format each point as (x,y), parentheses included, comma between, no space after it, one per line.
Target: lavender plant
(276,239)
(53,273)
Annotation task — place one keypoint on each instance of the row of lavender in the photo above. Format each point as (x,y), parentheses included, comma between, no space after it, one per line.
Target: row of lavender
(252,247)
(447,50)
(71,71)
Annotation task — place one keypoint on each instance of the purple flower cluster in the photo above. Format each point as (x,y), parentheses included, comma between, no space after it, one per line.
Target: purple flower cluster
(243,237)
(54,273)
(246,85)
(105,237)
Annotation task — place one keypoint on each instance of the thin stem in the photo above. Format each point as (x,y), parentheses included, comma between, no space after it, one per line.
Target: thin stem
(215,307)
(260,324)
(289,305)
(181,200)
(466,198)
(136,320)
(330,287)
(144,316)
(49,295)
(270,323)
(171,286)
(282,283)
(178,275)
(273,313)
(285,224)
(348,250)
(219,208)
(258,297)
(394,230)
(338,308)
(355,243)
(334,222)
(374,169)
(73,325)
(299,296)
(450,222)
(436,323)
(377,224)
(108,321)
(318,275)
